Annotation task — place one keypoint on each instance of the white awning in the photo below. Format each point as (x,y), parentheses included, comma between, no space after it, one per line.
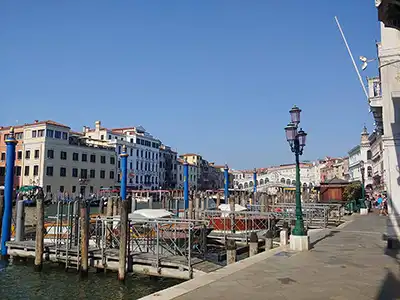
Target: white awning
(150,213)
(227,207)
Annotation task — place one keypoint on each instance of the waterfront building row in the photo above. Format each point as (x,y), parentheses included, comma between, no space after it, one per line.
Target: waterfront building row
(51,155)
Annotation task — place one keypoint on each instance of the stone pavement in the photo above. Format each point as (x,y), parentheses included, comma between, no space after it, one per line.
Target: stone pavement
(346,263)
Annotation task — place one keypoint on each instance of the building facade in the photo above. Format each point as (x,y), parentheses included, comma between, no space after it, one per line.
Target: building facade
(52,156)
(386,105)
(143,150)
(19,148)
(334,168)
(167,168)
(193,175)
(357,154)
(377,161)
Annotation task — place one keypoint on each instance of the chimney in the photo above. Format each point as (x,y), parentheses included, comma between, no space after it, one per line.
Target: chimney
(36,121)
(97,124)
(85,129)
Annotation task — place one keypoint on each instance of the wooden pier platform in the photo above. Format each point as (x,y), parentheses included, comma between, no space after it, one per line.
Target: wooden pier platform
(172,266)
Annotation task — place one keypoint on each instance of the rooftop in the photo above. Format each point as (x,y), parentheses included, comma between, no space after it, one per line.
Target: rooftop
(36,122)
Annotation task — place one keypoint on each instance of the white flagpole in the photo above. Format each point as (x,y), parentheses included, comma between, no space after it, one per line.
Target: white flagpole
(351,56)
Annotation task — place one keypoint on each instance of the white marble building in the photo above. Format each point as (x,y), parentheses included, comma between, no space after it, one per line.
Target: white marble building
(385,106)
(143,150)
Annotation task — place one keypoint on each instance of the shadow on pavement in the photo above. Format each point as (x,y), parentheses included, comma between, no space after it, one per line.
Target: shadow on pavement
(390,288)
(330,234)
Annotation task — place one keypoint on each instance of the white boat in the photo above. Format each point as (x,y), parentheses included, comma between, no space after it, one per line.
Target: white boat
(142,199)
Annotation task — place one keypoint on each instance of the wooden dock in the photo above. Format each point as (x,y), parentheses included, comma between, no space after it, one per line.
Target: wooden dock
(172,266)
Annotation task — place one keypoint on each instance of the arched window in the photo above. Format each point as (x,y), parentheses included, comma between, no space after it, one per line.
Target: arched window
(293,182)
(266,180)
(240,186)
(251,183)
(282,180)
(369,154)
(369,171)
(261,181)
(246,185)
(304,184)
(288,181)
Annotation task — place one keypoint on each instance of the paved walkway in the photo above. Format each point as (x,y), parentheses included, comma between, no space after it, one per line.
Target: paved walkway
(348,263)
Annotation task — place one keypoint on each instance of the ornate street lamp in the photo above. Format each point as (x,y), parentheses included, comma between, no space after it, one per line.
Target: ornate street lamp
(297,140)
(362,170)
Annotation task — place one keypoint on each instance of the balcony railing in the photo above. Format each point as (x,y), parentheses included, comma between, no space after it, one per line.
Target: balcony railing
(374,87)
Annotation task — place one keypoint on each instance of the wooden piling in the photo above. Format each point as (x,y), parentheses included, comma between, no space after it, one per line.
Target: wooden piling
(203,200)
(115,206)
(101,205)
(150,201)
(109,214)
(230,246)
(218,200)
(134,203)
(39,240)
(123,240)
(269,240)
(84,239)
(190,209)
(20,224)
(253,244)
(197,206)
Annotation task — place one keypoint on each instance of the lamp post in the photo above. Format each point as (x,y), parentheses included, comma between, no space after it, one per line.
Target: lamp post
(362,170)
(297,140)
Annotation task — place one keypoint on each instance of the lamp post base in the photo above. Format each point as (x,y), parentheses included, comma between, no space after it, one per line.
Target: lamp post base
(299,242)
(363,211)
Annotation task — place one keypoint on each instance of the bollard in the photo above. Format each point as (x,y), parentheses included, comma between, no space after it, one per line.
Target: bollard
(123,240)
(253,245)
(84,239)
(230,246)
(39,239)
(284,236)
(20,224)
(269,240)
(150,201)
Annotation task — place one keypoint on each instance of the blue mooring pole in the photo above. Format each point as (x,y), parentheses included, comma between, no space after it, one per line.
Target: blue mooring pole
(186,185)
(255,181)
(226,183)
(8,191)
(124,172)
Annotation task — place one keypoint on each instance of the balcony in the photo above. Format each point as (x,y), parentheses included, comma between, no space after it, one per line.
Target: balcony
(375,92)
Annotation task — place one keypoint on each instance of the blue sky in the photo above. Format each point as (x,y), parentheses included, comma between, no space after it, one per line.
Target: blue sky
(215,77)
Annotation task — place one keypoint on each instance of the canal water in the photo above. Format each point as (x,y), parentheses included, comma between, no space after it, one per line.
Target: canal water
(19,281)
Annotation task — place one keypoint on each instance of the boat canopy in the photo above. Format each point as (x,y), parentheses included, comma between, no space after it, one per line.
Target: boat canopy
(28,188)
(227,207)
(150,213)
